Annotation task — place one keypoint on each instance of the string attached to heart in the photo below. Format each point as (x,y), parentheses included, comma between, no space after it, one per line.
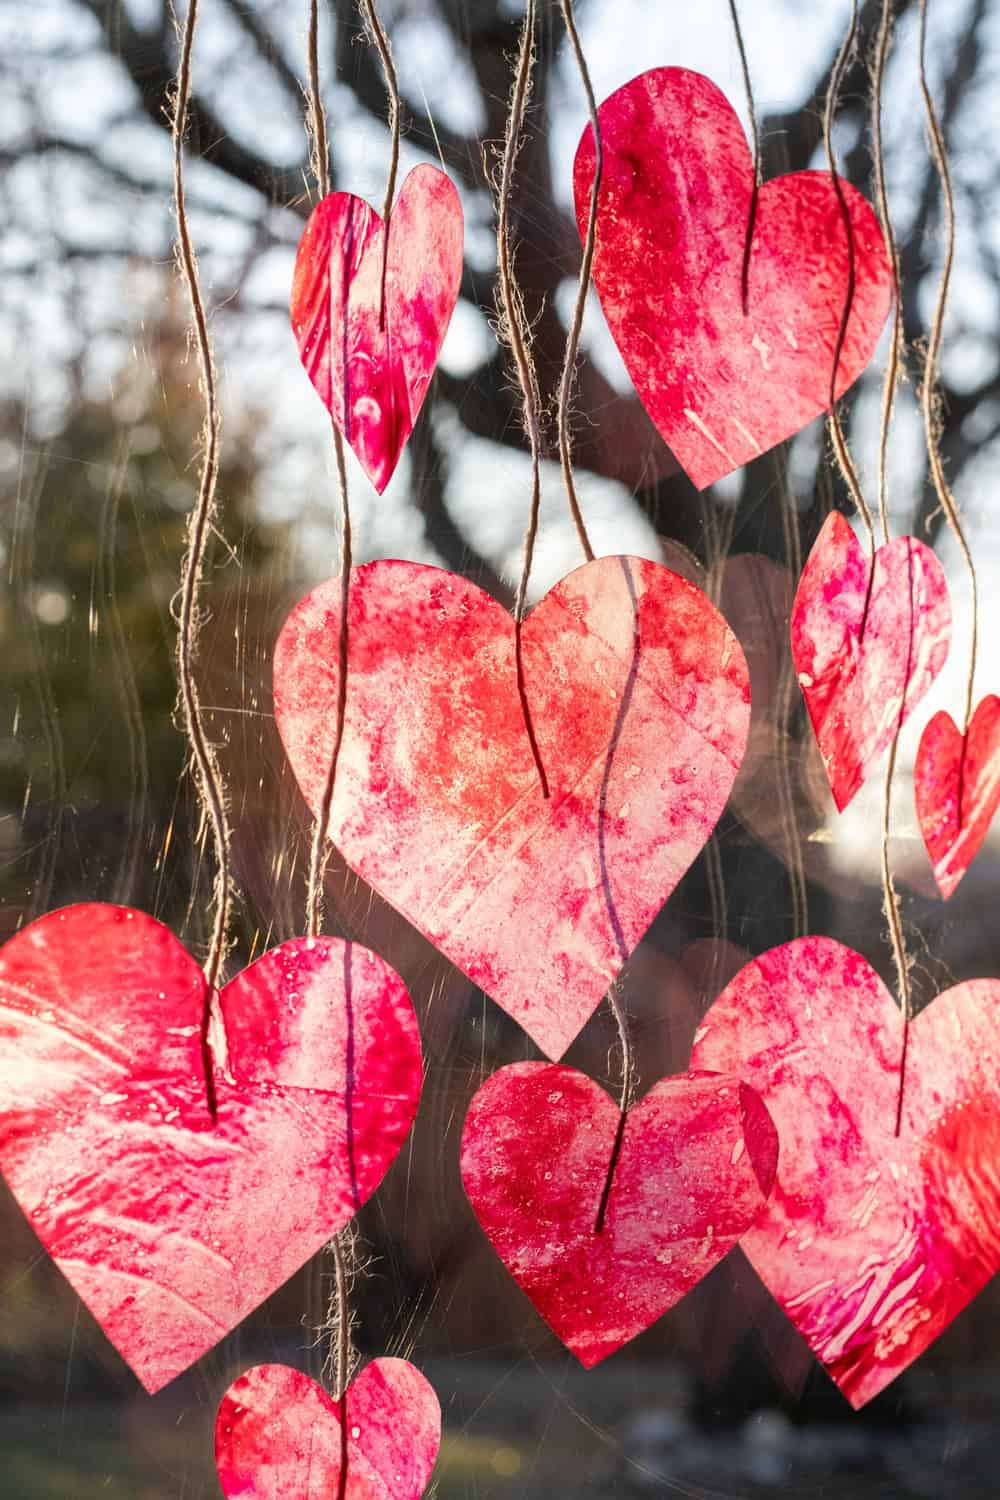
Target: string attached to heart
(380,40)
(208,780)
(835,426)
(758,170)
(566,458)
(514,328)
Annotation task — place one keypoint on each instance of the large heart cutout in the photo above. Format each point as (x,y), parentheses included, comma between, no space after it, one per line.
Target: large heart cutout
(279,1436)
(871,1242)
(174,1203)
(956,783)
(605,1234)
(638,699)
(866,645)
(724,384)
(370,309)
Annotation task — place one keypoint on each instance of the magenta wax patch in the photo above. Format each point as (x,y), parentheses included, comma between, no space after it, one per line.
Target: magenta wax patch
(279,1436)
(866,644)
(956,782)
(602,1254)
(871,1242)
(723,383)
(638,698)
(174,1200)
(370,308)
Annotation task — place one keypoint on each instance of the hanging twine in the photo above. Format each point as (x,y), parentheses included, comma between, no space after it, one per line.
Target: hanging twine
(758,172)
(835,425)
(207,775)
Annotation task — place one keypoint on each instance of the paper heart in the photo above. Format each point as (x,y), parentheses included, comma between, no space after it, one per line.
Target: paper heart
(639,701)
(695,1165)
(871,1242)
(956,782)
(866,646)
(370,319)
(279,1436)
(722,385)
(171,1225)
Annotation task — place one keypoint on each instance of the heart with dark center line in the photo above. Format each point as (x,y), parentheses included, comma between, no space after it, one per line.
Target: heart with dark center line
(866,645)
(279,1436)
(604,1235)
(724,382)
(172,1203)
(871,1242)
(637,696)
(370,309)
(956,783)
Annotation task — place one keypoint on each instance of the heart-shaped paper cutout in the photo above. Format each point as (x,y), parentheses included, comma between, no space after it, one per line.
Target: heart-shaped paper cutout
(723,385)
(866,646)
(173,1225)
(871,1242)
(638,697)
(370,318)
(279,1436)
(956,782)
(601,1260)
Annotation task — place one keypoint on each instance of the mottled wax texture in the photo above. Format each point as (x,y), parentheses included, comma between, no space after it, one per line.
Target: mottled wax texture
(723,385)
(871,1243)
(279,1436)
(638,696)
(956,782)
(697,1161)
(370,318)
(171,1225)
(865,656)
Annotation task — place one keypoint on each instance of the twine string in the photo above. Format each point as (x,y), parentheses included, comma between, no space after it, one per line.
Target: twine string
(583,287)
(929,397)
(836,429)
(338,1318)
(515,328)
(207,775)
(380,40)
(758,170)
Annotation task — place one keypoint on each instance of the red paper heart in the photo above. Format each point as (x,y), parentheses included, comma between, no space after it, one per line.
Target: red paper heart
(696,1163)
(639,701)
(370,342)
(956,782)
(865,656)
(170,1225)
(722,385)
(279,1436)
(871,1242)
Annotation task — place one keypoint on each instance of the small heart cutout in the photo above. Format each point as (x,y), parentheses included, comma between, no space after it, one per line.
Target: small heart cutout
(603,1257)
(370,310)
(638,697)
(956,782)
(172,1224)
(866,646)
(279,1436)
(871,1242)
(724,384)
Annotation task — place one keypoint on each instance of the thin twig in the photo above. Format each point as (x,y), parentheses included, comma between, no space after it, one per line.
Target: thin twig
(583,287)
(929,399)
(758,172)
(837,437)
(208,778)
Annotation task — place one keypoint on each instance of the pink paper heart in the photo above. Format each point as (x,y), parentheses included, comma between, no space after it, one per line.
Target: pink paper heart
(279,1436)
(871,1242)
(639,701)
(370,341)
(696,1162)
(956,782)
(866,655)
(723,385)
(173,1225)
